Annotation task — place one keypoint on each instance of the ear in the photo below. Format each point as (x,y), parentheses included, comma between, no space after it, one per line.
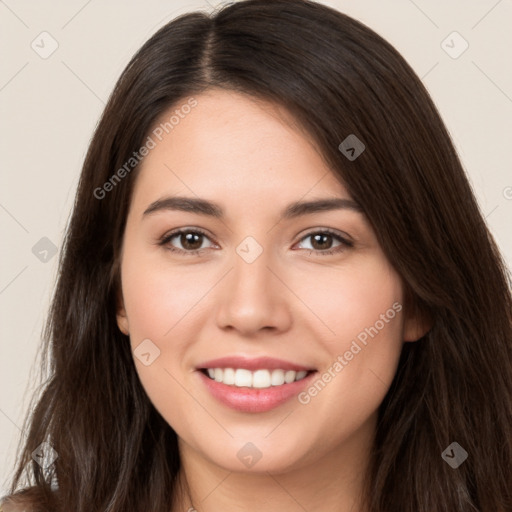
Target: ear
(417,323)
(121,317)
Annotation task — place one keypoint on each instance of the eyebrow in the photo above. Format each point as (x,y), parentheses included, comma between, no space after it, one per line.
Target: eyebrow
(212,209)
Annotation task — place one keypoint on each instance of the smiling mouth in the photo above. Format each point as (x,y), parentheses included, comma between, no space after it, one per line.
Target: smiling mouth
(258,379)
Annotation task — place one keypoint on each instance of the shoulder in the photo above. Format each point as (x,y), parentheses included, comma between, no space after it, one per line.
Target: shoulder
(29,499)
(19,502)
(8,505)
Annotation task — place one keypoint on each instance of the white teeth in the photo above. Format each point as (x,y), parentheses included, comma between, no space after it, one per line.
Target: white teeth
(277,378)
(259,379)
(229,376)
(242,378)
(289,376)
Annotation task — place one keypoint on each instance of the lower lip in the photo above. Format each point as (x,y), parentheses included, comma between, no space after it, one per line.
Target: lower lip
(252,399)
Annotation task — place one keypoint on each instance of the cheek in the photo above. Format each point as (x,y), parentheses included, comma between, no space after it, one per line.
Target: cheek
(157,300)
(157,297)
(351,299)
(362,308)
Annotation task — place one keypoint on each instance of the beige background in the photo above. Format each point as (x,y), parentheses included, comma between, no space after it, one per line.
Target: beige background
(49,108)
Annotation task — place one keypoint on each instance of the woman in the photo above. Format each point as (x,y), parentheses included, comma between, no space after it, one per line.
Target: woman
(276,290)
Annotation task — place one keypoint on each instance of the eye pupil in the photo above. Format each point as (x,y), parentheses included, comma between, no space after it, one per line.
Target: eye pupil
(189,240)
(321,237)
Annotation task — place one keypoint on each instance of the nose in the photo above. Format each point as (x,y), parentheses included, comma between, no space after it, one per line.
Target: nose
(253,297)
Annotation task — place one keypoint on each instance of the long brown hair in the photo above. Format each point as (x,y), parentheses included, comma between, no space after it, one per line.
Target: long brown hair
(337,77)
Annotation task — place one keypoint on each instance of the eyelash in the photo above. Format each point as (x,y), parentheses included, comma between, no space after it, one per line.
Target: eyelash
(164,241)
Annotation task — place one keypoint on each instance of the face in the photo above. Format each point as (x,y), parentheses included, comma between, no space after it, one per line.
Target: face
(294,311)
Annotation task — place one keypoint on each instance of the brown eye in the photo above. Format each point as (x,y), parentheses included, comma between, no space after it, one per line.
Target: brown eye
(191,241)
(322,242)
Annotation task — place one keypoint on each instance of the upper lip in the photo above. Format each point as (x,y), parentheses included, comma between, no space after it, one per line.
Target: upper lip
(255,363)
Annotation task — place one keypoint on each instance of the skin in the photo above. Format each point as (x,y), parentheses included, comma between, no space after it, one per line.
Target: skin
(291,303)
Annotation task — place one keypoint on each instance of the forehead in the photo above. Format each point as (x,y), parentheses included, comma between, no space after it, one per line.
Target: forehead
(233,146)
